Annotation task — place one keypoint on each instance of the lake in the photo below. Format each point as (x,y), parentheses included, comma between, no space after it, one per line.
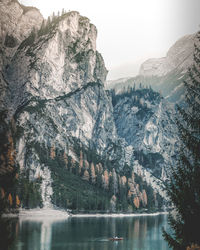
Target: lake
(91,233)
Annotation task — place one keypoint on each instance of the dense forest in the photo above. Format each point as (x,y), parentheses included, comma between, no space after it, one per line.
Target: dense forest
(87,183)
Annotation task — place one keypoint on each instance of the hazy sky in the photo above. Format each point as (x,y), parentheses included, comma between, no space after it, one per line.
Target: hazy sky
(131,31)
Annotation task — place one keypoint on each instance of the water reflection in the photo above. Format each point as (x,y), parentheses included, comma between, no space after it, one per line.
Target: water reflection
(32,235)
(45,241)
(8,231)
(92,234)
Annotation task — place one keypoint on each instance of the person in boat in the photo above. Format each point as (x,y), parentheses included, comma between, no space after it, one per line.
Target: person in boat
(114,238)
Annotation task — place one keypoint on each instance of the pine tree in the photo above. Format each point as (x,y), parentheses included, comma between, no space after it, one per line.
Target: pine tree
(183,187)
(63,12)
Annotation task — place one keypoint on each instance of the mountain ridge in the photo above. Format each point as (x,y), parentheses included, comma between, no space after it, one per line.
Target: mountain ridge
(165,74)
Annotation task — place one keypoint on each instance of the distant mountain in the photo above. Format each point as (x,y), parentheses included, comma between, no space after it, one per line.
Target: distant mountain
(179,58)
(166,74)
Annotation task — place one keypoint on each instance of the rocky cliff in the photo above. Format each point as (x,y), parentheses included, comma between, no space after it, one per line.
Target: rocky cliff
(59,93)
(147,123)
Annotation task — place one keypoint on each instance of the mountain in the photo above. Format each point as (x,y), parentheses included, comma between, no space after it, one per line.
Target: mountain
(60,145)
(166,74)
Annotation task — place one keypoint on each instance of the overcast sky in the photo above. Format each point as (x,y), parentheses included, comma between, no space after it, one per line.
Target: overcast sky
(131,31)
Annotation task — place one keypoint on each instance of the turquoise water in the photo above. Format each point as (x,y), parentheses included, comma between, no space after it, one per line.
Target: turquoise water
(92,233)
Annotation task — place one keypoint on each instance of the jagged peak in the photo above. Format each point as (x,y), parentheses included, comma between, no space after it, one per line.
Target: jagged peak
(76,27)
(74,22)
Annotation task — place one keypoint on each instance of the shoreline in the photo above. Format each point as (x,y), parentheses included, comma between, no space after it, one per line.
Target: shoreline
(119,215)
(55,214)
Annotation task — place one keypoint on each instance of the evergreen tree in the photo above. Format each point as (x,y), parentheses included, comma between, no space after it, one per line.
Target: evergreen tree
(183,187)
(63,12)
(53,17)
(42,28)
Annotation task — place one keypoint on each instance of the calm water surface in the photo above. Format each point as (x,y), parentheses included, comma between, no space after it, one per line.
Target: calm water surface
(92,233)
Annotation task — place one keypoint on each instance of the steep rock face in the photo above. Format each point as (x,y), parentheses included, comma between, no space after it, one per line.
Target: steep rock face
(63,78)
(146,121)
(58,63)
(131,113)
(161,139)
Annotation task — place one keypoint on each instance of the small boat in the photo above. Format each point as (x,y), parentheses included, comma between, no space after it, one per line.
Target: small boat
(116,238)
